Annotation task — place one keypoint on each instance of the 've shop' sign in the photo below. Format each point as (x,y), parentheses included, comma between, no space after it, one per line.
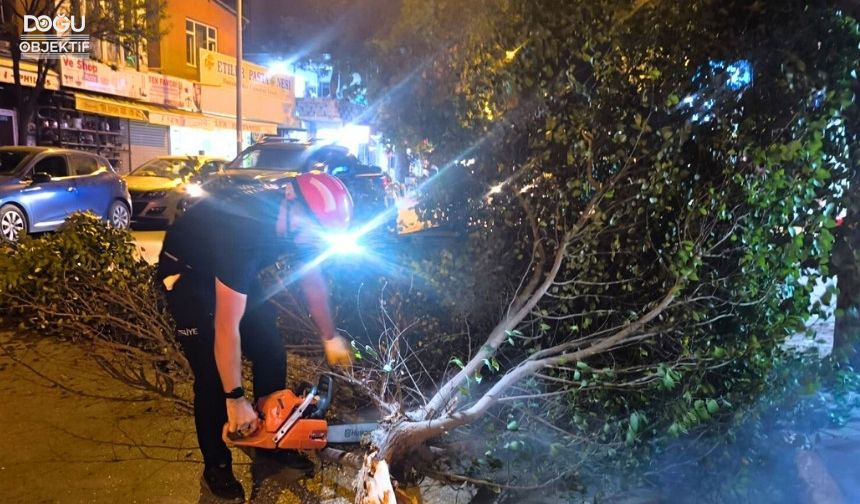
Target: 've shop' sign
(90,75)
(84,73)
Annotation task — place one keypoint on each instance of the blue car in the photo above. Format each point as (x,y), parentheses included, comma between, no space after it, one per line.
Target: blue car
(41,186)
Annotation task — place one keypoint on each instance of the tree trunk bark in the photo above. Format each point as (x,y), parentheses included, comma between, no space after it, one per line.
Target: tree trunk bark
(401,164)
(25,115)
(374,482)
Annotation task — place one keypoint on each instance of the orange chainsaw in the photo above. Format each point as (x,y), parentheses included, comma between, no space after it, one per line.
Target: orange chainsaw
(297,422)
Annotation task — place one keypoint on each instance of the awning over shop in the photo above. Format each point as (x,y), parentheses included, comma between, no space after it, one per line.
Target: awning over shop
(164,116)
(110,107)
(256,127)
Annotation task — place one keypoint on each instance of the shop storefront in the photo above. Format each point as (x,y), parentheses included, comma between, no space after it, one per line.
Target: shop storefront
(151,130)
(8,112)
(101,124)
(129,116)
(147,141)
(185,141)
(217,139)
(326,122)
(121,113)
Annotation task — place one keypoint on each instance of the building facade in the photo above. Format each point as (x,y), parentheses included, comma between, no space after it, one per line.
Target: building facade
(175,95)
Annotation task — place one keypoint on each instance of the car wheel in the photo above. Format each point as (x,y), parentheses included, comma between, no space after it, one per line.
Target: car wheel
(119,215)
(13,223)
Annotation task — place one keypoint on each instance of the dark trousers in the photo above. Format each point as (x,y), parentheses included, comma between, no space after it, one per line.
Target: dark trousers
(192,307)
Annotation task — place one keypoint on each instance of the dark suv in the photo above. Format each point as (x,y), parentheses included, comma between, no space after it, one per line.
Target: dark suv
(276,159)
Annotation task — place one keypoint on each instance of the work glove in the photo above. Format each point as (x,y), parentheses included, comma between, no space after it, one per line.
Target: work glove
(338,352)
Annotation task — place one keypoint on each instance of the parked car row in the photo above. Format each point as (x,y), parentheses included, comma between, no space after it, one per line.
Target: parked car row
(276,159)
(41,186)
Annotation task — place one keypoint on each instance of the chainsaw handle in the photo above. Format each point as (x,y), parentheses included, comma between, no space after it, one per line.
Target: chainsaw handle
(230,437)
(325,388)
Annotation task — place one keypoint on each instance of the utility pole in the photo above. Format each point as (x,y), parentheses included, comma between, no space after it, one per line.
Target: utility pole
(238,77)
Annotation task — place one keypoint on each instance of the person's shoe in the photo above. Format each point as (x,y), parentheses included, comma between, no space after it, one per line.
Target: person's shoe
(222,483)
(288,458)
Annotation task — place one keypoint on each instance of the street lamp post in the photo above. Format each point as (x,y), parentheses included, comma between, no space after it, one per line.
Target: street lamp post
(238,77)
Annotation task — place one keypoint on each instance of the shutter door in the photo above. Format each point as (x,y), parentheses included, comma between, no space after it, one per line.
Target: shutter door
(147,141)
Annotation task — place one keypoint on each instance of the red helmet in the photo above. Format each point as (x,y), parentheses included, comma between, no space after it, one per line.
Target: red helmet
(327,199)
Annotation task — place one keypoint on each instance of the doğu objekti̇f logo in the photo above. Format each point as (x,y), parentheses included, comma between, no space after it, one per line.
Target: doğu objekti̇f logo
(50,38)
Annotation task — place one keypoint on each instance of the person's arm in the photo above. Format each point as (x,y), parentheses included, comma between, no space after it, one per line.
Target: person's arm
(316,295)
(229,308)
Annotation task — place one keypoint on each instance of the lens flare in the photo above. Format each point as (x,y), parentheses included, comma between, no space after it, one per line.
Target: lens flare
(344,244)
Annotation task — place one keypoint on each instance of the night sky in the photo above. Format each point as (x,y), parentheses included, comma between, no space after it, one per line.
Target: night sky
(311,27)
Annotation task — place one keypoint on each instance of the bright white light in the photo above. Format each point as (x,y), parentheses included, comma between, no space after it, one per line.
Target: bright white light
(352,136)
(344,244)
(279,67)
(194,190)
(496,189)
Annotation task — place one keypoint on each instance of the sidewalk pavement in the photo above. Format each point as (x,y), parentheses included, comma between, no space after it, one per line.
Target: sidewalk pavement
(72,434)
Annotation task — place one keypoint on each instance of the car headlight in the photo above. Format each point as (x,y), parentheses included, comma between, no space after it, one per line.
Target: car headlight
(194,190)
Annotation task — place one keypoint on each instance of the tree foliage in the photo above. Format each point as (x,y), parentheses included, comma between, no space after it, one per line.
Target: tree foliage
(87,283)
(661,176)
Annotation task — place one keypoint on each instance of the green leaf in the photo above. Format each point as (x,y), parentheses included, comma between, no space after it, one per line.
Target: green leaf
(513,425)
(712,406)
(457,362)
(494,364)
(513,445)
(634,421)
(630,437)
(672,100)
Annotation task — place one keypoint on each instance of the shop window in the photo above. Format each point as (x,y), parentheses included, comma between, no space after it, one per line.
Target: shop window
(84,165)
(55,166)
(198,36)
(211,39)
(324,89)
